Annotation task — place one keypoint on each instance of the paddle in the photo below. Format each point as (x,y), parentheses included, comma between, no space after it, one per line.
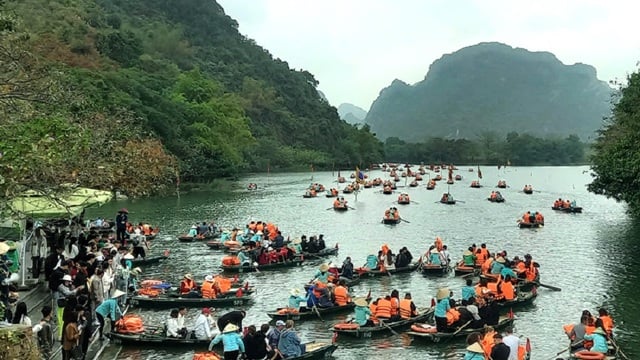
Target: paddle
(618,351)
(407,221)
(350,207)
(315,308)
(459,329)
(255,266)
(388,327)
(548,286)
(567,349)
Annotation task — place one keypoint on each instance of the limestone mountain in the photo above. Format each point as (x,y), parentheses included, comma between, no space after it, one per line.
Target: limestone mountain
(351,113)
(494,87)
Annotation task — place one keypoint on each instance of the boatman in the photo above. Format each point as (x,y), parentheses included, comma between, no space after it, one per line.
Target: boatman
(295,299)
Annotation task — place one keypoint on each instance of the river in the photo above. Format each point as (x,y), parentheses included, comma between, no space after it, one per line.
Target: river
(592,256)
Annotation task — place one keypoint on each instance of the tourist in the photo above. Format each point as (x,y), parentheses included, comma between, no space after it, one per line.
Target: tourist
(512,341)
(109,309)
(71,336)
(121,225)
(20,315)
(599,338)
(233,317)
(255,344)
(442,306)
(273,336)
(500,350)
(44,333)
(173,330)
(290,344)
(231,341)
(202,328)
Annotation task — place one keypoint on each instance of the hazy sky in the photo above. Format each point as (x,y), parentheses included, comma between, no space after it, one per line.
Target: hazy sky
(355,48)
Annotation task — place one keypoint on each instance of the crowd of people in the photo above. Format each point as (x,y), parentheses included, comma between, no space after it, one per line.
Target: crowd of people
(387,308)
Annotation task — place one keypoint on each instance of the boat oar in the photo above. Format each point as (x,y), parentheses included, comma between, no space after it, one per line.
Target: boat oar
(459,329)
(407,221)
(351,207)
(329,208)
(388,327)
(618,351)
(554,288)
(567,349)
(315,308)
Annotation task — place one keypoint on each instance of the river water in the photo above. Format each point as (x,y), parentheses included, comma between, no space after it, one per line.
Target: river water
(592,256)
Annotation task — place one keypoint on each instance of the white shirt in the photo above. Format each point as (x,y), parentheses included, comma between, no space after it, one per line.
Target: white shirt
(180,321)
(474,311)
(202,328)
(512,342)
(172,327)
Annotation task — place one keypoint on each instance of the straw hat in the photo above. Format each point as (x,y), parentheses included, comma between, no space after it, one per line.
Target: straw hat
(324,267)
(12,245)
(194,227)
(230,328)
(136,270)
(294,292)
(297,241)
(260,233)
(208,278)
(360,302)
(128,257)
(3,248)
(467,253)
(442,293)
(476,348)
(188,276)
(434,251)
(500,259)
(117,294)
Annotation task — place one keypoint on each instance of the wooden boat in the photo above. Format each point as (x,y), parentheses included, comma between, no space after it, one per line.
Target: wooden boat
(475,185)
(576,209)
(437,178)
(372,273)
(187,238)
(307,196)
(265,267)
(413,184)
(322,253)
(164,302)
(502,185)
(215,245)
(528,225)
(434,270)
(364,332)
(458,177)
(447,202)
(155,337)
(316,351)
(149,260)
(523,298)
(405,201)
(355,280)
(450,182)
(426,332)
(309,314)
(460,269)
(496,200)
(527,191)
(431,186)
(390,221)
(341,208)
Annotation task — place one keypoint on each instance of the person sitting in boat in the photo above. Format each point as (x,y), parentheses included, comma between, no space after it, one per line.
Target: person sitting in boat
(446,197)
(468,258)
(320,244)
(607,321)
(208,289)
(490,311)
(493,196)
(203,229)
(336,203)
(187,284)
(498,265)
(526,217)
(362,312)
(304,243)
(371,263)
(383,309)
(341,295)
(407,309)
(295,299)
(506,289)
(539,218)
(322,274)
(347,269)
(202,328)
(290,344)
(499,196)
(402,259)
(434,256)
(193,231)
(576,332)
(599,339)
(174,329)
(312,246)
(468,291)
(474,311)
(442,306)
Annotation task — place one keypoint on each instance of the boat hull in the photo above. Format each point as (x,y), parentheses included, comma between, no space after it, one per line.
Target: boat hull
(524,225)
(390,221)
(149,260)
(165,302)
(367,332)
(310,314)
(455,334)
(435,270)
(267,267)
(576,209)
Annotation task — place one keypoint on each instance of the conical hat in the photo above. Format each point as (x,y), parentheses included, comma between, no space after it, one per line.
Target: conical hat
(324,267)
(360,302)
(476,348)
(230,328)
(442,293)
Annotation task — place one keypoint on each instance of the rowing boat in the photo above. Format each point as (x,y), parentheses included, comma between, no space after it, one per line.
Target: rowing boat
(377,330)
(308,314)
(164,302)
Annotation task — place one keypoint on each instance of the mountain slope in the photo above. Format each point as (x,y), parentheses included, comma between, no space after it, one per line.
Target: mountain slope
(352,114)
(493,87)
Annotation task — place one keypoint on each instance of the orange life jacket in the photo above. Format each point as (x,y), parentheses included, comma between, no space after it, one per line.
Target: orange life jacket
(208,291)
(607,324)
(405,309)
(373,308)
(507,290)
(222,283)
(453,315)
(484,252)
(383,310)
(341,295)
(486,266)
(488,343)
(395,304)
(146,229)
(438,243)
(531,272)
(186,285)
(480,290)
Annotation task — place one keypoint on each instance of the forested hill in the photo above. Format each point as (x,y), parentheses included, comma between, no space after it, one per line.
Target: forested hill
(154,91)
(492,87)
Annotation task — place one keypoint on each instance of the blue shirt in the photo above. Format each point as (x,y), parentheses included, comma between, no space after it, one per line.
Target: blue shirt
(372,262)
(109,308)
(434,258)
(468,292)
(322,276)
(192,232)
(290,344)
(496,267)
(599,343)
(231,341)
(469,355)
(441,307)
(362,315)
(225,236)
(295,301)
(508,271)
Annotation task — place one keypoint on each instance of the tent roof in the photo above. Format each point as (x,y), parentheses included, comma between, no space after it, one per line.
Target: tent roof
(64,204)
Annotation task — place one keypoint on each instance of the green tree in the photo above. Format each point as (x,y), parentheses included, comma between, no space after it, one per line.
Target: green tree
(616,159)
